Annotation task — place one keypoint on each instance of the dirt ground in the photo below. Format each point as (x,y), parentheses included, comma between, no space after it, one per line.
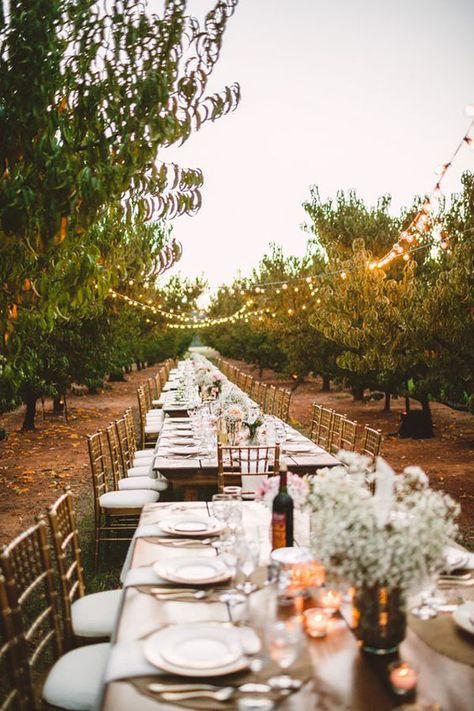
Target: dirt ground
(35,466)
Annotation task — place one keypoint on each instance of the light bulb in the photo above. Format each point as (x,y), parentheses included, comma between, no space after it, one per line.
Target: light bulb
(469,110)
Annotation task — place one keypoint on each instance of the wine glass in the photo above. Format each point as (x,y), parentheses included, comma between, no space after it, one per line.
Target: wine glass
(248,555)
(283,641)
(232,597)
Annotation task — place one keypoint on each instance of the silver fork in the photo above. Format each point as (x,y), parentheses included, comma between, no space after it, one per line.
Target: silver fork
(221,695)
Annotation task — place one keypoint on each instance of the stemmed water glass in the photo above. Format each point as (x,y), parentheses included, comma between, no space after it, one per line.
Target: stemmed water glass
(248,555)
(283,641)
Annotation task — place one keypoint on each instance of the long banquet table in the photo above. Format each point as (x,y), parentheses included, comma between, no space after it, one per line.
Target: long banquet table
(190,472)
(343,677)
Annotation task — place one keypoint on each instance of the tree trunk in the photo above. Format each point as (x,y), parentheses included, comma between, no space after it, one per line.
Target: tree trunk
(326,384)
(386,407)
(357,392)
(30,400)
(417,424)
(58,405)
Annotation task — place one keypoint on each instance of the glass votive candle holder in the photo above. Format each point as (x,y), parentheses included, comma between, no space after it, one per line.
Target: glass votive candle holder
(315,622)
(330,600)
(234,491)
(403,678)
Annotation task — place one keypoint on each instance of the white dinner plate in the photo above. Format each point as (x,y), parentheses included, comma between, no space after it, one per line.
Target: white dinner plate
(463,616)
(298,447)
(189,525)
(192,570)
(180,449)
(199,649)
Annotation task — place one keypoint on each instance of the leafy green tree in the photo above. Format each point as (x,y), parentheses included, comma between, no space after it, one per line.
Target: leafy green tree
(89,94)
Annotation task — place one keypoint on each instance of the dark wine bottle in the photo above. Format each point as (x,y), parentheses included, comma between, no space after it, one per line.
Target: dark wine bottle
(282,514)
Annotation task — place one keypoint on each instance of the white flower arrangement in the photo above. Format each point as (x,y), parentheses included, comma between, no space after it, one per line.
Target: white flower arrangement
(395,538)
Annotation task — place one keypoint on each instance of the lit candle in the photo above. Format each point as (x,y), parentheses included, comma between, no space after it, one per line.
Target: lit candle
(331,600)
(315,623)
(403,677)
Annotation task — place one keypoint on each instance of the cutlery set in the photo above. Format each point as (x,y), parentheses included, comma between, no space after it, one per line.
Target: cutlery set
(182,692)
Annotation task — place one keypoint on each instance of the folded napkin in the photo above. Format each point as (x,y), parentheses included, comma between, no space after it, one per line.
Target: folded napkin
(143,531)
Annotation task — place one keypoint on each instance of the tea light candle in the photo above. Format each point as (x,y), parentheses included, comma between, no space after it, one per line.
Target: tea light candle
(331,600)
(315,623)
(403,677)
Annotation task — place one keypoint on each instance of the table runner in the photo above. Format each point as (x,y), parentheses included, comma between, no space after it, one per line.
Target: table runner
(444,636)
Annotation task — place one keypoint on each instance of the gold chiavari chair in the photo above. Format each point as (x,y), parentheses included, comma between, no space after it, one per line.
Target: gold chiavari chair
(163,375)
(371,443)
(277,408)
(150,423)
(115,512)
(246,466)
(75,679)
(324,428)
(137,457)
(248,383)
(315,419)
(261,395)
(134,479)
(270,399)
(334,444)
(254,390)
(85,617)
(130,459)
(348,435)
(241,379)
(285,405)
(10,685)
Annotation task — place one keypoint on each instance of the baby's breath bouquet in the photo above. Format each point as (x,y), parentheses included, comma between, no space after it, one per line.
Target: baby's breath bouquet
(384,545)
(394,538)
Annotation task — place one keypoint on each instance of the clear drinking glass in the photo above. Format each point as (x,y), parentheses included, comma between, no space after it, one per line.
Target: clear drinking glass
(248,555)
(283,640)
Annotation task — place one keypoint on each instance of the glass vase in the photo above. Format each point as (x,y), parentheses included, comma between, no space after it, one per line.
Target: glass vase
(379,618)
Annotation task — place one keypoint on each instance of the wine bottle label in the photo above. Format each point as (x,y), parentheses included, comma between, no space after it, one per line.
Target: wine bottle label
(278,530)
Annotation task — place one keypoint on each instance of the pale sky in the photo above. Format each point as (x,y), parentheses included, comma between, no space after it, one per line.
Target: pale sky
(363,94)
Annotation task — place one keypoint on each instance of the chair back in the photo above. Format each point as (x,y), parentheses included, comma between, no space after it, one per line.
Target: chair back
(234,463)
(324,428)
(131,434)
(241,378)
(163,375)
(150,385)
(348,435)
(11,691)
(65,537)
(315,419)
(142,409)
(124,444)
(248,384)
(285,405)
(115,454)
(270,399)
(100,468)
(334,444)
(371,442)
(27,568)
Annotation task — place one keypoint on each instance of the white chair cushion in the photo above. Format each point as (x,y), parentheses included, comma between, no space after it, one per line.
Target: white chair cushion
(152,429)
(94,615)
(143,461)
(143,482)
(75,681)
(144,453)
(128,499)
(141,470)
